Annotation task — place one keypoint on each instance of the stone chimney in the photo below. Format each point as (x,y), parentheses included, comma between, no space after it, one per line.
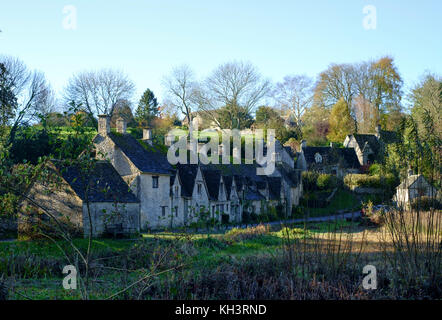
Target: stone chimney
(303,144)
(103,124)
(378,131)
(121,125)
(147,136)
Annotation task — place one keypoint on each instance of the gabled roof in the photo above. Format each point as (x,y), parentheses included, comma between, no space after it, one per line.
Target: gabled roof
(149,161)
(274,184)
(212,178)
(247,171)
(331,156)
(410,180)
(105,184)
(371,139)
(388,136)
(228,180)
(187,174)
(253,195)
(290,151)
(291,176)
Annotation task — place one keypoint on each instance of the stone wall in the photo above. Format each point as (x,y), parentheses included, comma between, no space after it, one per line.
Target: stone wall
(153,200)
(111,218)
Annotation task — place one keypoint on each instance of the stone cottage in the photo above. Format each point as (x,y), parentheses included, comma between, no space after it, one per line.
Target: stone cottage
(144,168)
(370,147)
(412,187)
(331,160)
(72,194)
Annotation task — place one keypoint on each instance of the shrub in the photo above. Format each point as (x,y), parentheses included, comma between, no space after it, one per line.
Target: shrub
(309,180)
(326,181)
(375,169)
(237,235)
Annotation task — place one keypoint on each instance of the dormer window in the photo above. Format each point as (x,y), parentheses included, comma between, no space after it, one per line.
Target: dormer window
(200,187)
(318,158)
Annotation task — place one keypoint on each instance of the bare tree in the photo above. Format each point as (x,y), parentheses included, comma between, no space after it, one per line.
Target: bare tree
(99,91)
(181,91)
(337,82)
(236,86)
(33,92)
(294,95)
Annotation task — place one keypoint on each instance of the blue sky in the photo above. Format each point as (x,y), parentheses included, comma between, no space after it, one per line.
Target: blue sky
(146,39)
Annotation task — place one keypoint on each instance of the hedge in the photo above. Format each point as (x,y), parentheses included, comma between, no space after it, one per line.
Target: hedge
(367,181)
(313,181)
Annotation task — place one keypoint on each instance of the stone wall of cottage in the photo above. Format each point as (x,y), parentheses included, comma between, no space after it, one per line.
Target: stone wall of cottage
(153,200)
(177,204)
(111,218)
(198,199)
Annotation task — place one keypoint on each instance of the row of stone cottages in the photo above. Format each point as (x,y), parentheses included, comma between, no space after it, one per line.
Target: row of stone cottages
(136,188)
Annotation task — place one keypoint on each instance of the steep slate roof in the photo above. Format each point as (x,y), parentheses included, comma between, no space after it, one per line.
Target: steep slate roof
(212,178)
(247,171)
(371,139)
(187,174)
(410,180)
(292,177)
(388,136)
(290,151)
(228,183)
(274,184)
(105,184)
(331,156)
(152,161)
(253,195)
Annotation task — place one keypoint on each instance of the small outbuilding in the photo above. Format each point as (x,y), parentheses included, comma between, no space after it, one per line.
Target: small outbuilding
(72,194)
(412,187)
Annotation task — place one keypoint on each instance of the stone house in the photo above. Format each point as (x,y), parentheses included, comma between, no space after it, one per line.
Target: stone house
(174,196)
(71,196)
(370,147)
(331,160)
(218,204)
(412,187)
(144,168)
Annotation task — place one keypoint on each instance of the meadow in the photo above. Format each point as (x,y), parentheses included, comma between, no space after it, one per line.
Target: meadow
(303,261)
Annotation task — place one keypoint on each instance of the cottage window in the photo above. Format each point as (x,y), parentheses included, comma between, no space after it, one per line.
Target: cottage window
(199,188)
(318,158)
(163,211)
(155,182)
(176,211)
(176,192)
